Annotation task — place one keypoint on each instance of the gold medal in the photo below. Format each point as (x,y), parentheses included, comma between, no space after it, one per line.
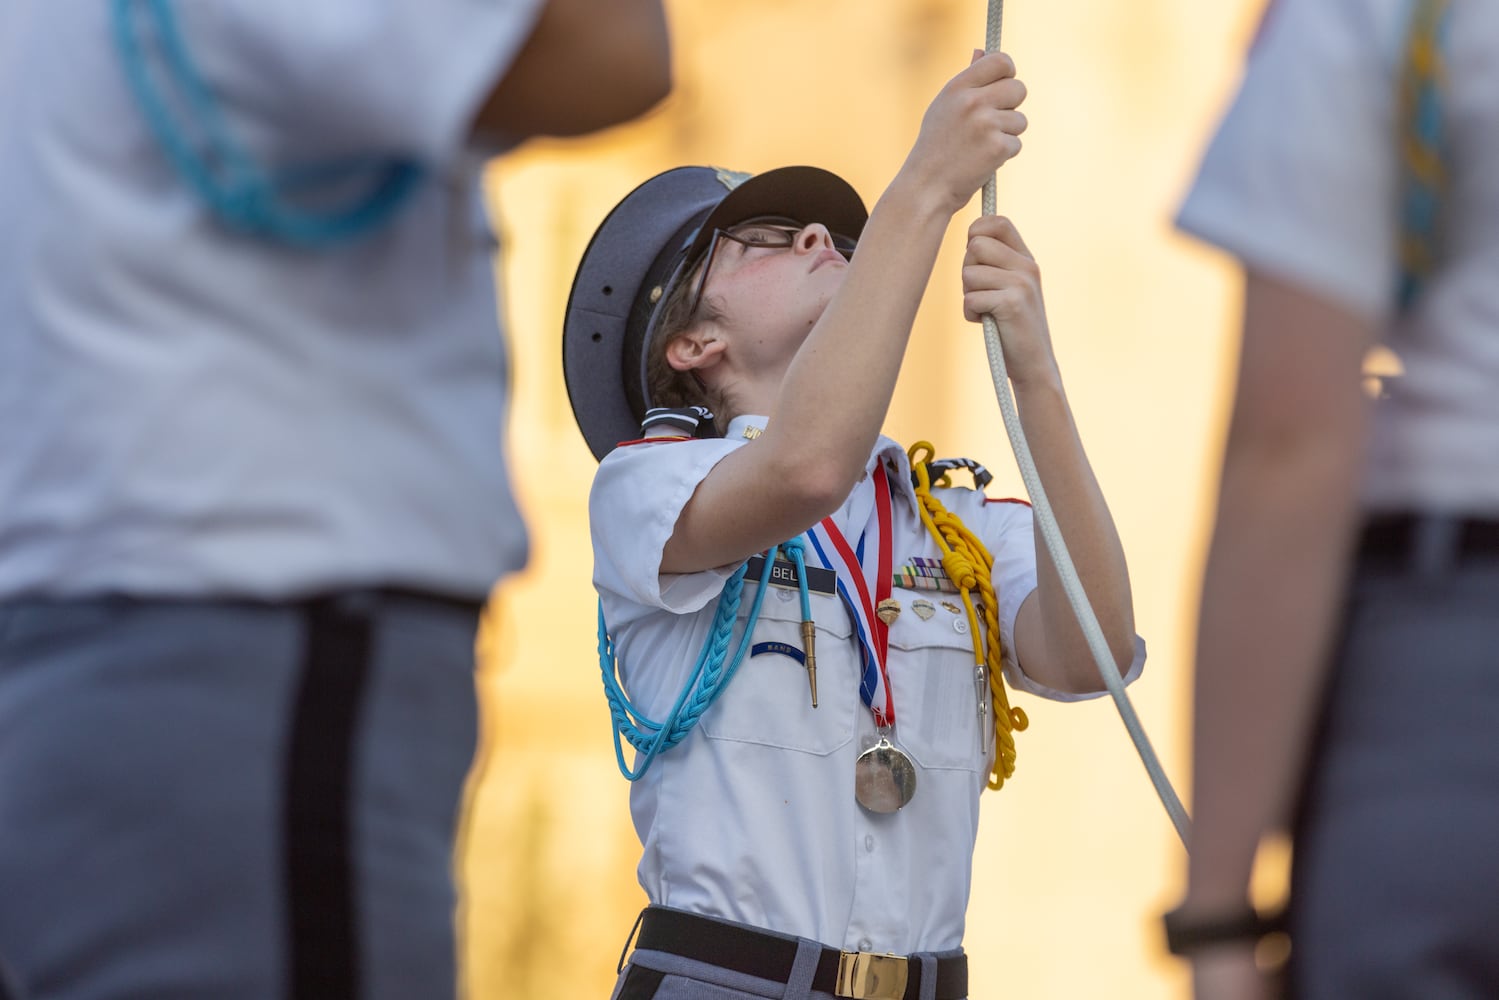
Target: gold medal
(888,610)
(884,778)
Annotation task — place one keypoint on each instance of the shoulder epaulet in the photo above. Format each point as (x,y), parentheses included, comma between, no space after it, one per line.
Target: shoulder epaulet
(937,472)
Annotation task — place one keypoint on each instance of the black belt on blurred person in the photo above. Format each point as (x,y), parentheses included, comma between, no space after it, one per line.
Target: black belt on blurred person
(771,956)
(1426,541)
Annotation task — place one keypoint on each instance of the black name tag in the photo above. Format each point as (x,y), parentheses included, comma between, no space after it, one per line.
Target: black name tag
(820,580)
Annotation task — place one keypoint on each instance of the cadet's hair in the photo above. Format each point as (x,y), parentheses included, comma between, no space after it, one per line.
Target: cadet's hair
(664,385)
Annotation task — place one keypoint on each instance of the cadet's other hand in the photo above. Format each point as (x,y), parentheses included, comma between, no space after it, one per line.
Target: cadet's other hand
(1001,279)
(970,129)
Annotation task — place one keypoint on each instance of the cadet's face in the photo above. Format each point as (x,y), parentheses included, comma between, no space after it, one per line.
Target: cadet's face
(772,279)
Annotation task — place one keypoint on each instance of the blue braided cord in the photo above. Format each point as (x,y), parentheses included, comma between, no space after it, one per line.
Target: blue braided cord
(797,551)
(708,679)
(248,200)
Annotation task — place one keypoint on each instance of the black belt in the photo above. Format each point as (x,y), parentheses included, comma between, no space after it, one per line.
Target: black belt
(1401,541)
(771,956)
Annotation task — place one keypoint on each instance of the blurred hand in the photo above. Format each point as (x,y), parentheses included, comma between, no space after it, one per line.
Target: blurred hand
(1001,279)
(1230,973)
(970,129)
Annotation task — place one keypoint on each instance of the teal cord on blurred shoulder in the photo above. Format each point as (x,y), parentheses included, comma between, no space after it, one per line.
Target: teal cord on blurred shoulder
(200,146)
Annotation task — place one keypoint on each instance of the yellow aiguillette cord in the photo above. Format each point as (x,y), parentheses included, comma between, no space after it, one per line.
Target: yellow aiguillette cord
(969,566)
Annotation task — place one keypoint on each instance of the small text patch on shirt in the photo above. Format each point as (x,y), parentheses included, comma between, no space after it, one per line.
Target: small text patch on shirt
(784,648)
(783,574)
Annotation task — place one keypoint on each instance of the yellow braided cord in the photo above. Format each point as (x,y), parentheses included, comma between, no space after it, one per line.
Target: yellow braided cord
(969,566)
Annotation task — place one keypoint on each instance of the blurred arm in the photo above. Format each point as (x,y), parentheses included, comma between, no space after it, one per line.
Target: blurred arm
(1275,574)
(588,64)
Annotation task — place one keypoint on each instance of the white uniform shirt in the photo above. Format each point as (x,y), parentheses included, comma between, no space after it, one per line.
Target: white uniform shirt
(752,817)
(185,411)
(1301,183)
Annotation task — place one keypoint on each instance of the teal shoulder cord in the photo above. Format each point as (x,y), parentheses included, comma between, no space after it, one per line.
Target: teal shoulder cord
(240,194)
(1423,149)
(709,674)
(797,551)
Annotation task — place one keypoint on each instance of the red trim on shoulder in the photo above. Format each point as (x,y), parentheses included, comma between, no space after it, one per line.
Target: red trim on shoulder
(1027,503)
(655,440)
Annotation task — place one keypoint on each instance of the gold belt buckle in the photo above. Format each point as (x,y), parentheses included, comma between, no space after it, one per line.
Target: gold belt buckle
(863,975)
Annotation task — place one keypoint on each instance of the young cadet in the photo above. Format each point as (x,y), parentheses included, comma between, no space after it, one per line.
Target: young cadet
(252,487)
(809,784)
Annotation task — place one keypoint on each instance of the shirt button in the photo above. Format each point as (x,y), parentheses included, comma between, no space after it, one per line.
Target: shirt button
(865,944)
(960,626)
(869,842)
(784,595)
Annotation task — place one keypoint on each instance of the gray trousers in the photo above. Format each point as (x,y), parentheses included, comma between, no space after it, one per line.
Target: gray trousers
(1395,892)
(232,800)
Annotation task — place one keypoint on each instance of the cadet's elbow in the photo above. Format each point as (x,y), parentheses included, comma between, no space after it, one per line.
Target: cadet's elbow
(814,489)
(824,494)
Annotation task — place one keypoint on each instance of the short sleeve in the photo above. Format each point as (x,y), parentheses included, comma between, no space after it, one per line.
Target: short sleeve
(638,495)
(395,79)
(1007,528)
(1299,181)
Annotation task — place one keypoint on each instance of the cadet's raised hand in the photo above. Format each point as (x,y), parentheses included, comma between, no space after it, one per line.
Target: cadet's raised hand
(1001,279)
(969,130)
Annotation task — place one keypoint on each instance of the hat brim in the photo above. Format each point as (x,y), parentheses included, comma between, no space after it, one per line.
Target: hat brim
(646,243)
(805,194)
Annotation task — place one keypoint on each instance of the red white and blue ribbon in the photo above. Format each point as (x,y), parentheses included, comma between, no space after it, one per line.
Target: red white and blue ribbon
(862,590)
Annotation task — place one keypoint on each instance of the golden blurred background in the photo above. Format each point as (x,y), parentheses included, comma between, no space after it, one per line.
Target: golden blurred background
(1076,858)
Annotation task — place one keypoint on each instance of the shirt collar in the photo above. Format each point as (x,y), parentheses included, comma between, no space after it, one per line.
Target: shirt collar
(745,427)
(889,452)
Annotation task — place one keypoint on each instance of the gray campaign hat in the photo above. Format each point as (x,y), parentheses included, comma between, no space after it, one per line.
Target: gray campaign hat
(650,240)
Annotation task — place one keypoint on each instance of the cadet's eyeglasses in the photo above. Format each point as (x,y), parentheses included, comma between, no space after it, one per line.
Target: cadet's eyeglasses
(759,234)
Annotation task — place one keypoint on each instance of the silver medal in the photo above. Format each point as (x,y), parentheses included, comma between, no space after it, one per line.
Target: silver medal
(884,778)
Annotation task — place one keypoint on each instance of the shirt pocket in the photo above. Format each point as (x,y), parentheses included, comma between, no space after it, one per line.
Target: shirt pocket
(935,687)
(768,702)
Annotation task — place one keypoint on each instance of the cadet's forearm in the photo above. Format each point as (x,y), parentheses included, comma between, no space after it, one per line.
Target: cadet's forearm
(1092,541)
(843,377)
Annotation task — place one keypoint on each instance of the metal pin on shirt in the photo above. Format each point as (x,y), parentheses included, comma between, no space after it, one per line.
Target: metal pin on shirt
(809,632)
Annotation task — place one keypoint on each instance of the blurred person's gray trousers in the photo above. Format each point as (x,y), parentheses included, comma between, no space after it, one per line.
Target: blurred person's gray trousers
(1396,883)
(240,801)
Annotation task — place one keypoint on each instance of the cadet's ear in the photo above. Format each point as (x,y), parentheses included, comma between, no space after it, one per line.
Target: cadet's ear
(697,350)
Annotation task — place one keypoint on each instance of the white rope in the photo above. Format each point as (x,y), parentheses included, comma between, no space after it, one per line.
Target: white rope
(1050,533)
